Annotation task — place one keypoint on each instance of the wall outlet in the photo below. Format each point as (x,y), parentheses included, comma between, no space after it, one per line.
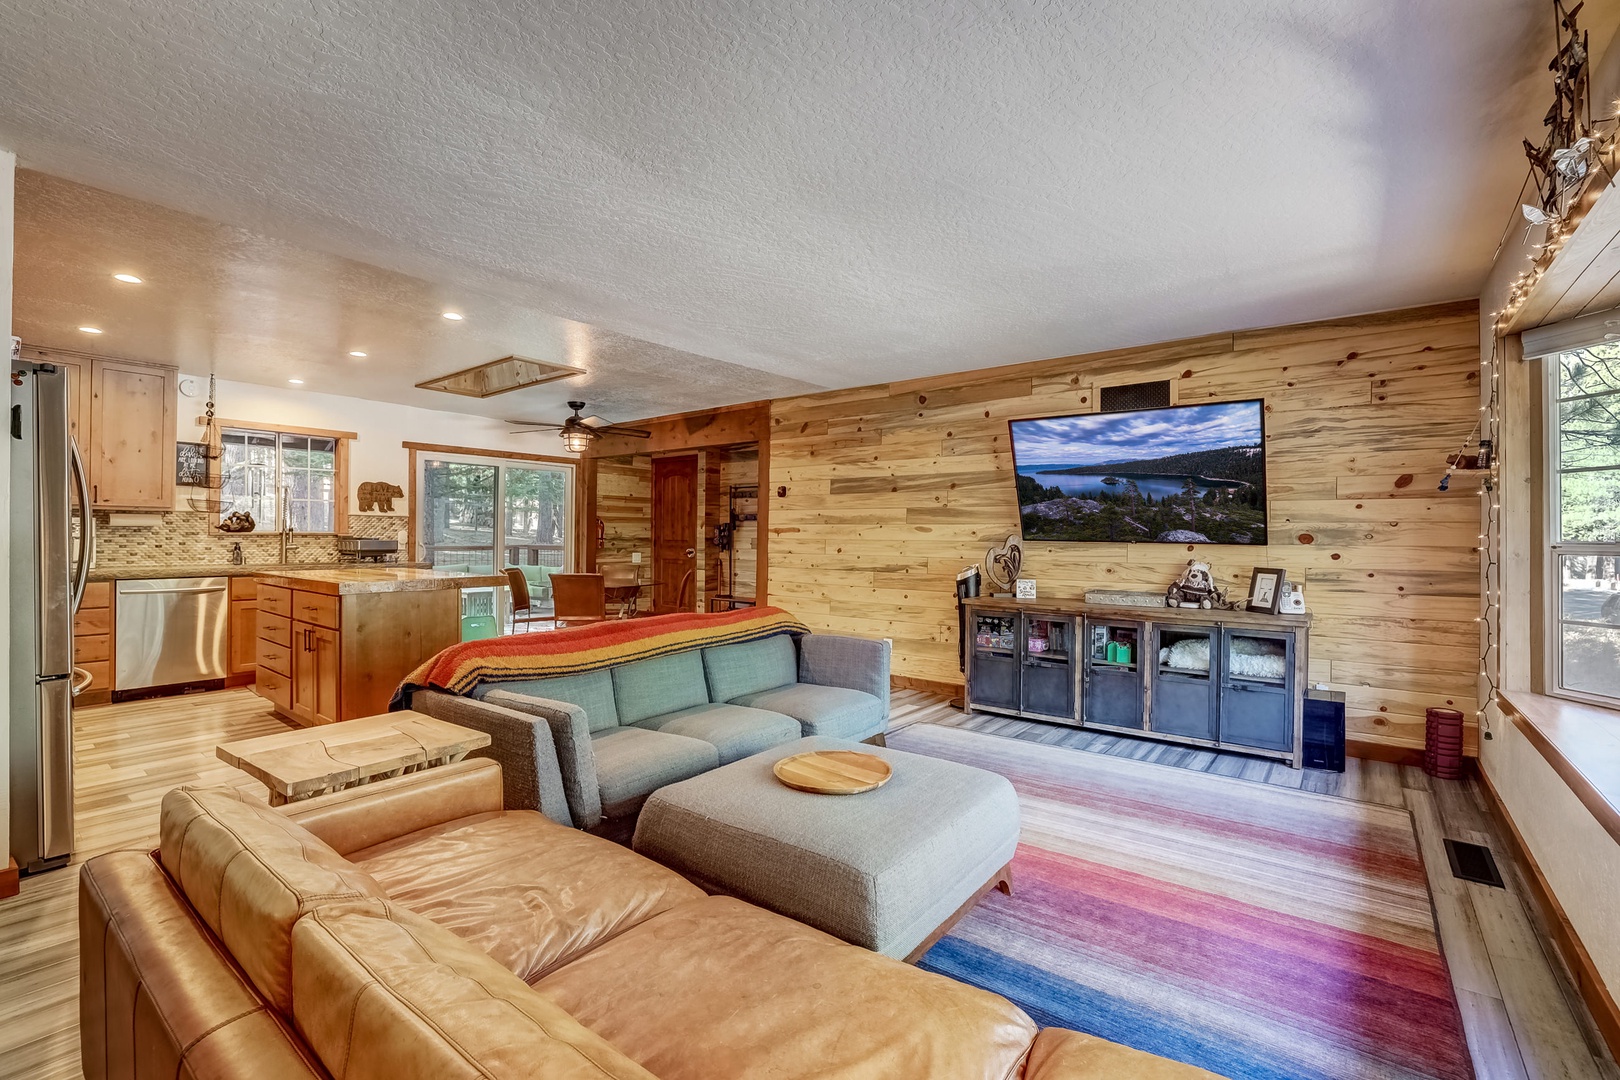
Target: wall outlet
(635,557)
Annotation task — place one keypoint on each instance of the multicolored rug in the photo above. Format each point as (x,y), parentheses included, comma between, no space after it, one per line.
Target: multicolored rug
(1255,931)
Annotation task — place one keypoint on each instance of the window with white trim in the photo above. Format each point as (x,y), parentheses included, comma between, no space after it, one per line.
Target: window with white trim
(1583,496)
(261,470)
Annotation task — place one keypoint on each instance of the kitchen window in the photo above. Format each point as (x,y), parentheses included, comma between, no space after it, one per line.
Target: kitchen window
(268,473)
(1583,524)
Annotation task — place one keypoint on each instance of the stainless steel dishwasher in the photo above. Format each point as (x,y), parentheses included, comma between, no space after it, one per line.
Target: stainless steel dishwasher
(170,632)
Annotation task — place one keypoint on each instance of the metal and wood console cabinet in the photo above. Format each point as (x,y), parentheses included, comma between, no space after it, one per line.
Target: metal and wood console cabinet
(1229,679)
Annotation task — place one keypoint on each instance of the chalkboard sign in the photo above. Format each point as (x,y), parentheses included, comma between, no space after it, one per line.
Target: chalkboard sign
(191,464)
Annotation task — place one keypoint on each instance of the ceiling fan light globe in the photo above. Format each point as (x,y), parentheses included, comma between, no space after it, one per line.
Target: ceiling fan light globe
(576,441)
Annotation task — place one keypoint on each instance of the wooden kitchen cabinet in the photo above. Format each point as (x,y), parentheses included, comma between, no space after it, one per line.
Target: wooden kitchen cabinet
(243,633)
(323,656)
(131,445)
(92,642)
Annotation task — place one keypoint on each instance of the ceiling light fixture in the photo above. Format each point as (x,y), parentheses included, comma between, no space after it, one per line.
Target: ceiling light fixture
(357,352)
(296,382)
(454,316)
(129,279)
(576,441)
(89,329)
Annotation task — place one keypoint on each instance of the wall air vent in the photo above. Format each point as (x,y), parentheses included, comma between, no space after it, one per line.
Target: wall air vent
(500,377)
(1127,397)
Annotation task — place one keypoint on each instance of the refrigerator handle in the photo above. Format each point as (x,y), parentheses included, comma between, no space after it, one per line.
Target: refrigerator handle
(87,527)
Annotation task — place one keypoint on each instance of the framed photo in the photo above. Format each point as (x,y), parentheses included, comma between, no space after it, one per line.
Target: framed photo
(191,464)
(1265,589)
(1024,588)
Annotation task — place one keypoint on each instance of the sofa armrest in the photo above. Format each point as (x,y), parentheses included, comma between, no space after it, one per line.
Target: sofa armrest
(571,736)
(851,662)
(520,742)
(384,810)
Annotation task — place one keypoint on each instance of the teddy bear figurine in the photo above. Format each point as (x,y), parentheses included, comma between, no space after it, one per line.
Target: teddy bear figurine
(1195,588)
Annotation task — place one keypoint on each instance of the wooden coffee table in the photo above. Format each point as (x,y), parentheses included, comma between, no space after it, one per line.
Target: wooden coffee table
(298,765)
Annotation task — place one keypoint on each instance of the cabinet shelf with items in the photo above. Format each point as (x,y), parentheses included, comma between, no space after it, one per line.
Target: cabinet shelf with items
(1224,679)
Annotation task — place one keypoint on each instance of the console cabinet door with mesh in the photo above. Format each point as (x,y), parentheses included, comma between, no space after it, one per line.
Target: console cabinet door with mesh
(1046,683)
(1257,689)
(993,661)
(1186,663)
(1111,694)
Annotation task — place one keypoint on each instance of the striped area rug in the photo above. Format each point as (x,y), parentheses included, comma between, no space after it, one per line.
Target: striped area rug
(1255,931)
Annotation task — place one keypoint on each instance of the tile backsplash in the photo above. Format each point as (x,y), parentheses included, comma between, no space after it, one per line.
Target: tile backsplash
(188,538)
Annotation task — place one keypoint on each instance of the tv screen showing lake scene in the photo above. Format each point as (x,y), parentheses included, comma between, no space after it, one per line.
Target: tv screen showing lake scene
(1187,474)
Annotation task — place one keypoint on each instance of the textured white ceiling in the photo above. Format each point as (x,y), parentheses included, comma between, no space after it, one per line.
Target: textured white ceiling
(833,191)
(222,299)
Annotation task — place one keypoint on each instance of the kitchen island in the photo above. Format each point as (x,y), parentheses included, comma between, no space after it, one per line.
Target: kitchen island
(333,642)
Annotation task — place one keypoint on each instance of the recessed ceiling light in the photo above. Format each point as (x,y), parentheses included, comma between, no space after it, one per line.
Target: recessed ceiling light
(357,352)
(89,329)
(454,316)
(130,279)
(296,382)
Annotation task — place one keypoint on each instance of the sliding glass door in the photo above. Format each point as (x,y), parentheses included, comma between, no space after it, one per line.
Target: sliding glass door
(486,514)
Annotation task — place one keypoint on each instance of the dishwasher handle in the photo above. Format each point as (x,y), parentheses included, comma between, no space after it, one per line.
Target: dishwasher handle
(179,592)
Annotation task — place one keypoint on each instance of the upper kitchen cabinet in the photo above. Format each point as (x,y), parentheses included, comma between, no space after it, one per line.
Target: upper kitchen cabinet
(130,452)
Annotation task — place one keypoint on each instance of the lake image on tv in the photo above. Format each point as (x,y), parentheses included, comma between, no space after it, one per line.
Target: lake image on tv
(1193,474)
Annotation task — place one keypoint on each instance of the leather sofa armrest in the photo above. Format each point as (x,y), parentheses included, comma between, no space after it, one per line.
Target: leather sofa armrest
(375,813)
(1060,1054)
(570,733)
(523,745)
(851,662)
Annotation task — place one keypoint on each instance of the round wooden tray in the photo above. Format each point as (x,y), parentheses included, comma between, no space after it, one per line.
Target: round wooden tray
(833,772)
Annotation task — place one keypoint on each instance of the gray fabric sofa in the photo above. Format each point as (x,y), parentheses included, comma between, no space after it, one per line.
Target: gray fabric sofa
(616,735)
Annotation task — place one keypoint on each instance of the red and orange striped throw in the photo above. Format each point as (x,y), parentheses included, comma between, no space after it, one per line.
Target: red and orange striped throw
(461,668)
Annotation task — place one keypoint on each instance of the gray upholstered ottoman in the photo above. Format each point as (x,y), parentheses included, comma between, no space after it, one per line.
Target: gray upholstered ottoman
(890,869)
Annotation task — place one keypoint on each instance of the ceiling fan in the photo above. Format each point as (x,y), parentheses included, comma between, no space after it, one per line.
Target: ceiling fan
(578,432)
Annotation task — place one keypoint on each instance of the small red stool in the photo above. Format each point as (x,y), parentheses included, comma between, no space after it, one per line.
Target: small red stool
(1443,744)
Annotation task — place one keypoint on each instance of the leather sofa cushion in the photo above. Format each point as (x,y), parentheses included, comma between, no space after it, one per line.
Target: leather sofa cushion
(661,685)
(718,989)
(632,763)
(529,892)
(250,873)
(382,994)
(735,731)
(833,711)
(735,670)
(590,690)
(1060,1054)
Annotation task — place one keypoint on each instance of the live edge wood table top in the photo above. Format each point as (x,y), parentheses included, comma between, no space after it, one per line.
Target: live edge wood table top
(298,765)
(348,580)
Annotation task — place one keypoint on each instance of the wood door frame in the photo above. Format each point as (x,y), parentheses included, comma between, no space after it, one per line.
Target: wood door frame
(732,425)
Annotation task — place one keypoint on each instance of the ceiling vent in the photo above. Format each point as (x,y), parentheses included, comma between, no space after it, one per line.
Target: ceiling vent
(500,377)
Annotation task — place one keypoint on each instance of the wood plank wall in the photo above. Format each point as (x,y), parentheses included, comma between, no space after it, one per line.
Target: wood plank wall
(624,503)
(892,489)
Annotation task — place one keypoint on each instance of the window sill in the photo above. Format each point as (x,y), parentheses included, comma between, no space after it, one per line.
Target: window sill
(1582,744)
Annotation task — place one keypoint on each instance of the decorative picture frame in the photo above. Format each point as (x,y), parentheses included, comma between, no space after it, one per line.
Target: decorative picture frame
(1265,589)
(191,464)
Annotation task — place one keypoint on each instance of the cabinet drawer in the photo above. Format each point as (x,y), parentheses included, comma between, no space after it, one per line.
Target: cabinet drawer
(277,658)
(276,600)
(88,621)
(244,588)
(276,628)
(316,608)
(97,594)
(100,674)
(92,647)
(274,687)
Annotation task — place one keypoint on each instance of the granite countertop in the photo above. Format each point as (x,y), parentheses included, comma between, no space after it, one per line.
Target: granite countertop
(148,573)
(347,580)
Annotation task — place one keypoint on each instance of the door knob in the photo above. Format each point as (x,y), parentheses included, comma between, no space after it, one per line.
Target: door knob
(690,552)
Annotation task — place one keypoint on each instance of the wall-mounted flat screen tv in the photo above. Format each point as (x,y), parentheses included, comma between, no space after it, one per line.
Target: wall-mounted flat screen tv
(1186,474)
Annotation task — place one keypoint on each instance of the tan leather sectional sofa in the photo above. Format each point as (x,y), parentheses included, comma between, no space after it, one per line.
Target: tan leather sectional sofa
(416,929)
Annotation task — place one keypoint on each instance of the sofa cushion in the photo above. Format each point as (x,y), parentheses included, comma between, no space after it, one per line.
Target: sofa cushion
(526,890)
(718,989)
(832,711)
(734,730)
(250,873)
(1060,1054)
(383,994)
(632,763)
(736,670)
(663,684)
(591,691)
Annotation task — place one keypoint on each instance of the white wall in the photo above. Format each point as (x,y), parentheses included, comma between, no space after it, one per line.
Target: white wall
(8,169)
(376,455)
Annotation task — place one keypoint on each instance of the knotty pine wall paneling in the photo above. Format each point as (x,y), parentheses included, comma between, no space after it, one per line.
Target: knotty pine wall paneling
(892,489)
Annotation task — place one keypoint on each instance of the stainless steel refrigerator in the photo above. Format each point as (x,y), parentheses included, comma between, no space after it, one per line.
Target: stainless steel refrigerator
(50,558)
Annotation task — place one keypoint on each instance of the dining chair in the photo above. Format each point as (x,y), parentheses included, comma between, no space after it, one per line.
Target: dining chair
(578,598)
(523,610)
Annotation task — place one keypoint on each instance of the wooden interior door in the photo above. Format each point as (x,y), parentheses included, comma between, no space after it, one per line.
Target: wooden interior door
(674,514)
